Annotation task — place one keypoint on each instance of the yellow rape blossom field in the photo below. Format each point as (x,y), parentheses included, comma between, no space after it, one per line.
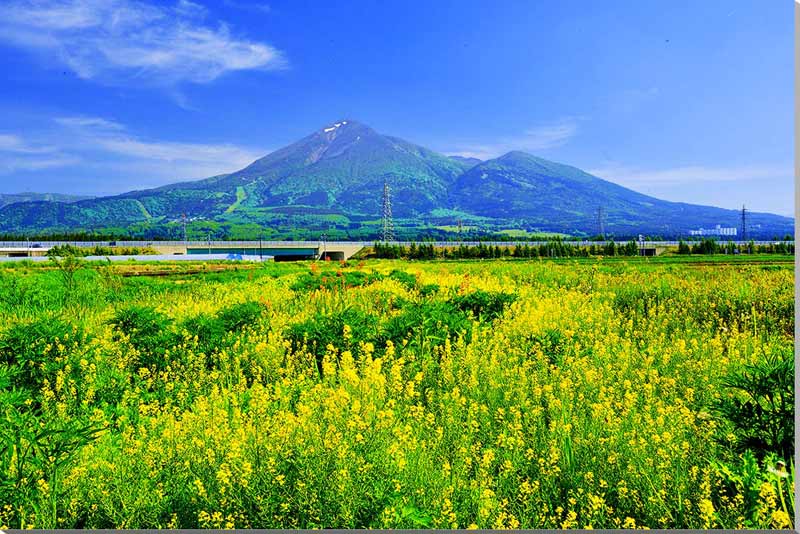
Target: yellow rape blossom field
(390,394)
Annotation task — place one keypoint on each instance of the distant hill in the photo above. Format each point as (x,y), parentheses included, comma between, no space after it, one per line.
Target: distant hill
(12,198)
(332,181)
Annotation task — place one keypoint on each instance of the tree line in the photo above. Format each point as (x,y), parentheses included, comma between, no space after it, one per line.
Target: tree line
(555,248)
(712,246)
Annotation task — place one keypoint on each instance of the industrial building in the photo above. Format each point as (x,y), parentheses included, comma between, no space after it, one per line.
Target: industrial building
(716,231)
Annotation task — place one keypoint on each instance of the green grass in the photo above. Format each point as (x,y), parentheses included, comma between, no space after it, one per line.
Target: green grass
(145,213)
(241,196)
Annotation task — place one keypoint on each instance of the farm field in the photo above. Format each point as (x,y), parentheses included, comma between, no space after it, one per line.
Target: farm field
(624,393)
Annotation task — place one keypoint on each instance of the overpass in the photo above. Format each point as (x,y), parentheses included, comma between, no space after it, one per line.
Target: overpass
(289,250)
(279,250)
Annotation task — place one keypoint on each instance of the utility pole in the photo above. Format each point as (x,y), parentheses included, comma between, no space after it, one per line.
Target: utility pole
(388,223)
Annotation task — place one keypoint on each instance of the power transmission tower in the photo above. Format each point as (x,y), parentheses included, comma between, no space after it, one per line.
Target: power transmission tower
(388,223)
(744,223)
(601,223)
(184,229)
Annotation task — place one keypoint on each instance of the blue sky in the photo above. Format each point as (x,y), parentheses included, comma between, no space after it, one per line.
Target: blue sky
(683,100)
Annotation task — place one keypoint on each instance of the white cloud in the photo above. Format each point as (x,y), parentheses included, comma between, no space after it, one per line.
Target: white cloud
(106,148)
(19,162)
(15,144)
(95,123)
(694,174)
(19,154)
(129,41)
(249,6)
(539,138)
(762,187)
(550,135)
(97,134)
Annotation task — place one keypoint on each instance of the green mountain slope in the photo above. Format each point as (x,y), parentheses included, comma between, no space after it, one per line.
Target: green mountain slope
(561,198)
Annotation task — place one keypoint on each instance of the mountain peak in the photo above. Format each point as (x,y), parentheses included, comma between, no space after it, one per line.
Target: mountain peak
(516,155)
(347,124)
(336,125)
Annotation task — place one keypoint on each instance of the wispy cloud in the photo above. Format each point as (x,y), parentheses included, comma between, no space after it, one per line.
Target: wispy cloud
(249,6)
(17,145)
(19,154)
(194,159)
(129,41)
(539,138)
(766,187)
(689,175)
(10,163)
(104,147)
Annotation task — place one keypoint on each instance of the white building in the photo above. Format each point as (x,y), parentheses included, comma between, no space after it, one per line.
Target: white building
(718,231)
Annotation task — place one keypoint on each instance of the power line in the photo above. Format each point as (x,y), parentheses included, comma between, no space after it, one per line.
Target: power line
(388,222)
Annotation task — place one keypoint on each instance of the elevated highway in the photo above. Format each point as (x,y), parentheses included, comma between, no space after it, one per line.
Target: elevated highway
(279,250)
(283,250)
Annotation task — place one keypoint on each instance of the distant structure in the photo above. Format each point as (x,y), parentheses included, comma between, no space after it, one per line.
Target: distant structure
(744,223)
(716,231)
(601,223)
(388,222)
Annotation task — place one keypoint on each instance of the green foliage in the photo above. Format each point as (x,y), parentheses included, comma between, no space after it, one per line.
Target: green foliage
(110,278)
(339,280)
(425,324)
(33,350)
(148,331)
(211,331)
(98,250)
(241,315)
(552,343)
(484,304)
(208,330)
(428,290)
(67,261)
(407,279)
(66,250)
(706,246)
(34,448)
(21,293)
(317,333)
(760,406)
(747,477)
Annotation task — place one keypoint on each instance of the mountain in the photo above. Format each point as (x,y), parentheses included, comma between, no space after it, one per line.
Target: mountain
(519,186)
(337,167)
(332,181)
(13,198)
